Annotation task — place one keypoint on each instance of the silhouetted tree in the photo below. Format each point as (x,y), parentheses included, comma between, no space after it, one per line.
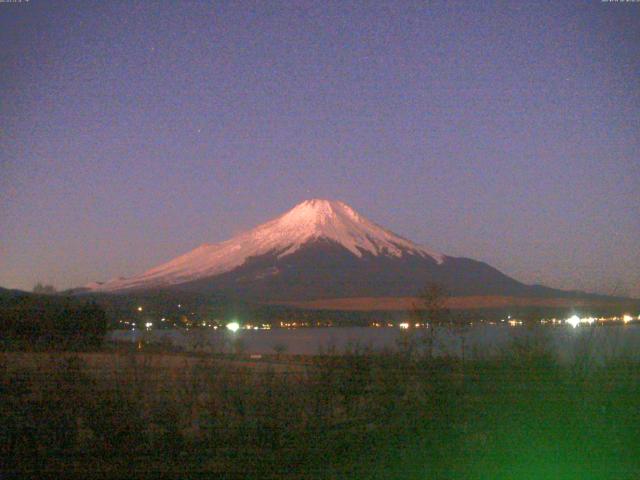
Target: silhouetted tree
(279,348)
(51,322)
(44,289)
(430,309)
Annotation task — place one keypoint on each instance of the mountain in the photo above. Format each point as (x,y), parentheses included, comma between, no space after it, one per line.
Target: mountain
(320,249)
(9,294)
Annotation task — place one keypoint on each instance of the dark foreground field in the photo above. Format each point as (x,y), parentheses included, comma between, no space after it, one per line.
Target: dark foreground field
(516,415)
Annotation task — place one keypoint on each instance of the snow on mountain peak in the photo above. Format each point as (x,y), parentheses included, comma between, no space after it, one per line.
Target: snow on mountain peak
(310,220)
(313,214)
(337,221)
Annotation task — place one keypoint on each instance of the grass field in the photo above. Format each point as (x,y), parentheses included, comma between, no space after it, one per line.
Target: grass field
(518,414)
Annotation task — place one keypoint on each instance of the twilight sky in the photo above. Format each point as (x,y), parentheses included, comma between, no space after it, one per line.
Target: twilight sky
(131,132)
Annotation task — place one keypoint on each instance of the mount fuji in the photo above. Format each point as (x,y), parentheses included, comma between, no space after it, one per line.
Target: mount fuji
(320,249)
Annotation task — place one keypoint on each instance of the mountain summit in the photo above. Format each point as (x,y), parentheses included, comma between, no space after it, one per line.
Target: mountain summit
(308,222)
(336,221)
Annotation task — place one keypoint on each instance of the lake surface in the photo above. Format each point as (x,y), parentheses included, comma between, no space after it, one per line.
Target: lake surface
(602,340)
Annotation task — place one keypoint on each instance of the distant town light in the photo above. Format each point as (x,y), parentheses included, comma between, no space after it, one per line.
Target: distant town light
(139,309)
(233,326)
(574,321)
(627,318)
(404,325)
(148,324)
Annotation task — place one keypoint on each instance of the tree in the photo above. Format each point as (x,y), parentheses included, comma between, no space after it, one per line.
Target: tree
(44,289)
(430,309)
(52,322)
(279,348)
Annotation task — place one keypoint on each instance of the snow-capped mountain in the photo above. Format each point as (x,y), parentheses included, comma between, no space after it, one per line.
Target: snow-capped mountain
(307,222)
(319,249)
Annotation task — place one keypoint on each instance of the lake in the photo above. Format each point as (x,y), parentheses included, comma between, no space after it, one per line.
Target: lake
(603,340)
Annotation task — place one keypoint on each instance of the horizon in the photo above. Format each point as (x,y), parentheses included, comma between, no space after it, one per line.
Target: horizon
(331,203)
(506,134)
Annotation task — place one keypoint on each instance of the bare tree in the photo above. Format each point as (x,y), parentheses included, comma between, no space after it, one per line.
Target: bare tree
(44,289)
(279,348)
(431,311)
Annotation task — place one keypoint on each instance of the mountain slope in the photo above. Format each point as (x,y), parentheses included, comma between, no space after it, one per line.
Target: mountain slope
(324,269)
(321,249)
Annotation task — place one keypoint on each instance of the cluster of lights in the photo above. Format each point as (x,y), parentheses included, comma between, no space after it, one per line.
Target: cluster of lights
(264,326)
(235,326)
(299,324)
(289,324)
(574,320)
(552,321)
(380,324)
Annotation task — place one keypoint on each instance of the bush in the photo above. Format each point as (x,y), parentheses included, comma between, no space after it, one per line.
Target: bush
(45,322)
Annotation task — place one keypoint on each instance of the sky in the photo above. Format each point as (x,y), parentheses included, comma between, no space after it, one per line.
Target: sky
(132,132)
